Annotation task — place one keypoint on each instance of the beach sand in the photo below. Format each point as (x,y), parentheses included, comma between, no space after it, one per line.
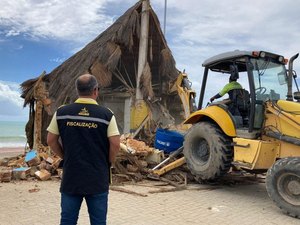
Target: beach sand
(11,152)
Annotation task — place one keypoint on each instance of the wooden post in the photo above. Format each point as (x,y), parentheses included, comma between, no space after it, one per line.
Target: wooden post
(139,111)
(127,106)
(41,100)
(143,47)
(38,124)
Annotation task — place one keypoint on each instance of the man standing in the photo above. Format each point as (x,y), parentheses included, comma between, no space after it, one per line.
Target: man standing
(89,144)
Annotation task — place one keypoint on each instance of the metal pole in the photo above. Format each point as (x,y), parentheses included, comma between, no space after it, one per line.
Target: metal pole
(165,17)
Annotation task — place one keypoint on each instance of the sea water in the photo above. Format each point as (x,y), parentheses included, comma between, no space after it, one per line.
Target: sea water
(12,134)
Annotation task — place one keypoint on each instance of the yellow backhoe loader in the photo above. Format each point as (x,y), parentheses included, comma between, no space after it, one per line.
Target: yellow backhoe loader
(257,129)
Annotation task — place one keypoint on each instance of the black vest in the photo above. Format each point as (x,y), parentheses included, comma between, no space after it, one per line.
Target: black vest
(83,131)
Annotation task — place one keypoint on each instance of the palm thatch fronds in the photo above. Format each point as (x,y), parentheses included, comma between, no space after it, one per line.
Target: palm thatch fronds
(27,90)
(113,58)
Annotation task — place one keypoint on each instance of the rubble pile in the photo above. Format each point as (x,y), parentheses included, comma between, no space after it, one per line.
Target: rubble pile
(134,160)
(33,164)
(133,163)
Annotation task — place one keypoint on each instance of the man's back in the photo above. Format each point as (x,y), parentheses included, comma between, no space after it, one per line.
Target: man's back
(90,141)
(83,131)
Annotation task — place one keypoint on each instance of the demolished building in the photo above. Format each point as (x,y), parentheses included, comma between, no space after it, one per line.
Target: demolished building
(113,58)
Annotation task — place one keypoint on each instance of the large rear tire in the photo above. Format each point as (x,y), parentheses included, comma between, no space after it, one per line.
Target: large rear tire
(207,151)
(283,185)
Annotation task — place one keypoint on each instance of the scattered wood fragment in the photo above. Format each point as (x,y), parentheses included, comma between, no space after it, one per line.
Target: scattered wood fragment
(181,188)
(152,185)
(56,163)
(59,173)
(16,162)
(33,190)
(113,188)
(171,182)
(141,126)
(163,190)
(202,188)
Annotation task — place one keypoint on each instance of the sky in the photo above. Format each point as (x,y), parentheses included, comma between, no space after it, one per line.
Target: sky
(37,35)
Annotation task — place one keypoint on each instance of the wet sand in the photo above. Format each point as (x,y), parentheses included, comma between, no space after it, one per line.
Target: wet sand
(11,152)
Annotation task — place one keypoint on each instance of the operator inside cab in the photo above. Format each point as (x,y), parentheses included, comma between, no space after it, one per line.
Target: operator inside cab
(239,98)
(232,85)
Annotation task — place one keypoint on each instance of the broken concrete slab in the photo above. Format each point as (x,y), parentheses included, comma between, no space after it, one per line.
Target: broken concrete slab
(42,174)
(21,173)
(156,156)
(32,158)
(5,174)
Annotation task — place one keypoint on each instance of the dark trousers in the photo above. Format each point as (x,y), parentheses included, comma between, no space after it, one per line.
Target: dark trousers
(96,204)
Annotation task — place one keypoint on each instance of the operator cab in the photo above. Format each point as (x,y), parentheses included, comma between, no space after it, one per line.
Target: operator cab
(264,78)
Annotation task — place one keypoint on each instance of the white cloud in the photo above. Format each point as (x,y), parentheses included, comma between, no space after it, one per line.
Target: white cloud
(210,27)
(67,20)
(58,60)
(9,91)
(11,102)
(12,32)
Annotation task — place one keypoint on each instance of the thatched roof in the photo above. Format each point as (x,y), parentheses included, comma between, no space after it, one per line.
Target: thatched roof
(112,58)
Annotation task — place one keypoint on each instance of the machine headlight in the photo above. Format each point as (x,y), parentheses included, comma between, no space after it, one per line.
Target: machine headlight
(262,54)
(281,59)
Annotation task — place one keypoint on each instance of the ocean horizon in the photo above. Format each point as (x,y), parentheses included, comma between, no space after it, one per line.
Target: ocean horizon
(12,134)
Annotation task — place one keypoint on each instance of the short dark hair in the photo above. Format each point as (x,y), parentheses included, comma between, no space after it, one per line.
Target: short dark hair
(234,73)
(232,79)
(85,85)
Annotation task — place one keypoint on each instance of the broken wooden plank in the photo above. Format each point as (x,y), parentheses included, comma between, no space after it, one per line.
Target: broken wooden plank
(33,190)
(141,126)
(43,155)
(59,173)
(132,168)
(152,184)
(162,190)
(16,162)
(113,188)
(56,163)
(181,188)
(170,182)
(49,160)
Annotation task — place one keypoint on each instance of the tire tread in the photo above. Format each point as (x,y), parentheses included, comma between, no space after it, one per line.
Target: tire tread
(225,150)
(287,164)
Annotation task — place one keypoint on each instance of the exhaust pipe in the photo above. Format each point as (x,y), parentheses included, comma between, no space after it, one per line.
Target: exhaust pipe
(290,78)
